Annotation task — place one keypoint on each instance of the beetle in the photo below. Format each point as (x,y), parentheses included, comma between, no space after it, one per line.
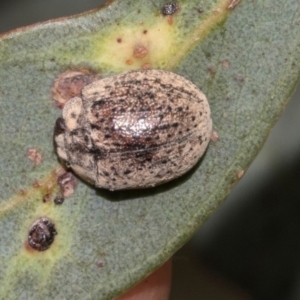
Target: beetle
(134,130)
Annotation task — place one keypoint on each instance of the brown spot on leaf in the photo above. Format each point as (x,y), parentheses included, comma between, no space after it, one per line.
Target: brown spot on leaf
(67,183)
(22,192)
(214,136)
(34,155)
(46,198)
(100,263)
(145,31)
(36,184)
(129,62)
(212,70)
(140,51)
(119,40)
(70,83)
(225,64)
(170,20)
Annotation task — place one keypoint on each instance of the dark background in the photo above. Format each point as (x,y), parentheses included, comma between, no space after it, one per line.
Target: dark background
(250,247)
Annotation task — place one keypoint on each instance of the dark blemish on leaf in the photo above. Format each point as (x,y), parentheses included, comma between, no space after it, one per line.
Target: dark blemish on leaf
(212,70)
(145,31)
(41,234)
(59,200)
(169,8)
(119,40)
(46,198)
(207,54)
(100,264)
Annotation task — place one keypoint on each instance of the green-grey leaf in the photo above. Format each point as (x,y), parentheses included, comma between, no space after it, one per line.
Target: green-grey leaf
(246,60)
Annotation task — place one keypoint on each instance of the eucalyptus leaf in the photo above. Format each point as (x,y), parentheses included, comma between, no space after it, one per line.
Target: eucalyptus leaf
(244,55)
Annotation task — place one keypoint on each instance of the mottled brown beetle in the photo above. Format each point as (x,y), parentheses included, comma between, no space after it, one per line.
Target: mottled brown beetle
(134,130)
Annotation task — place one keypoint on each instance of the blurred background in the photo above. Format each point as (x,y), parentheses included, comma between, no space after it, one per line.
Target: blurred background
(250,247)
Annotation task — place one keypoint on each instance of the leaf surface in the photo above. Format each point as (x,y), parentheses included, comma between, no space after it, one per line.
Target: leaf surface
(245,58)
